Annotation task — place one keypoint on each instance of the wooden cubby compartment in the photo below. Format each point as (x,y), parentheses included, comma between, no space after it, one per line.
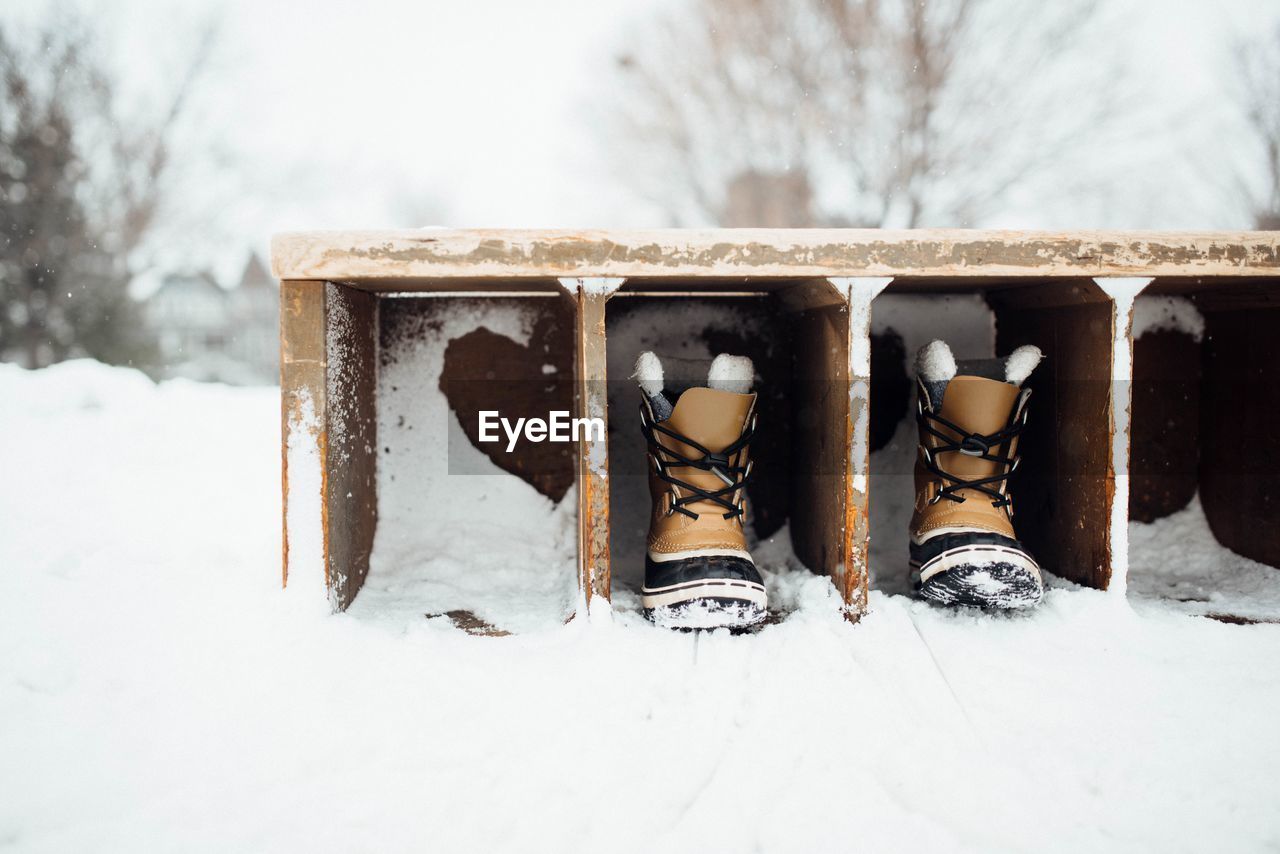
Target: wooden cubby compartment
(1204,413)
(343,341)
(1064,487)
(797,334)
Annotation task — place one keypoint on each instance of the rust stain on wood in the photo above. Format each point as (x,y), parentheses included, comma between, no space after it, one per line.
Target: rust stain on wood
(593,485)
(857,524)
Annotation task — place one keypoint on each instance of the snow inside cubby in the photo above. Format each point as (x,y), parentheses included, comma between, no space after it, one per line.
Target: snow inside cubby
(477,533)
(1061,488)
(1204,450)
(686,331)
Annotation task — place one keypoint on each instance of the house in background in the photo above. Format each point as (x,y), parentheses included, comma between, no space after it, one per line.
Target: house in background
(255,311)
(211,333)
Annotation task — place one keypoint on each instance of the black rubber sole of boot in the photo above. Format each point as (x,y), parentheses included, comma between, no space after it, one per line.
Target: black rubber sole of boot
(989,586)
(704,592)
(709,613)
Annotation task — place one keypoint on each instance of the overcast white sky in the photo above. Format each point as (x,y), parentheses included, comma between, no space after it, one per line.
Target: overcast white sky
(383,113)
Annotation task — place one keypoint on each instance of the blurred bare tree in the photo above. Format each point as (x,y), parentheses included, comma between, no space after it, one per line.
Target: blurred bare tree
(1260,90)
(892,113)
(81,185)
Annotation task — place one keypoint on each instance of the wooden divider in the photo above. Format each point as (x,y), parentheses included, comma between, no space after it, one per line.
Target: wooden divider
(328,377)
(592,401)
(303,425)
(850,369)
(823,506)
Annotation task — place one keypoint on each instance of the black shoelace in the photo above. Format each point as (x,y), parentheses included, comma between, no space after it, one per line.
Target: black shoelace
(735,477)
(977,445)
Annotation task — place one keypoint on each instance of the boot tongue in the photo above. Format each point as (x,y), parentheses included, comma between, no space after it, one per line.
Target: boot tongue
(978,404)
(711,417)
(714,416)
(976,395)
(714,419)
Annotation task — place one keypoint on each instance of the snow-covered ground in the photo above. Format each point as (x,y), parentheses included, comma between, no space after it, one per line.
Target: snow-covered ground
(159,692)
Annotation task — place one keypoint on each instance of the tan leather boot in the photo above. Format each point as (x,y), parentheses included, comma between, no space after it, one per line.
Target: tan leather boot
(698,571)
(963,545)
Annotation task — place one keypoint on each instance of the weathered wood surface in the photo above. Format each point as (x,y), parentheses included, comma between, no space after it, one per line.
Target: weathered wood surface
(303,432)
(663,253)
(351,447)
(329,423)
(593,456)
(821,435)
(854,581)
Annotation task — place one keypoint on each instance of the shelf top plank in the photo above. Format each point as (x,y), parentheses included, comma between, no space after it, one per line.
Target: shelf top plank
(480,254)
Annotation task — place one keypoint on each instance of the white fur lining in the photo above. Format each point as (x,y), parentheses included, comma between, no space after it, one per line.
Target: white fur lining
(1020,363)
(649,373)
(731,373)
(934,362)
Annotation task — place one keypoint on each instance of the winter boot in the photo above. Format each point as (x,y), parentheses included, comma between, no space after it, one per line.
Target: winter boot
(697,571)
(963,546)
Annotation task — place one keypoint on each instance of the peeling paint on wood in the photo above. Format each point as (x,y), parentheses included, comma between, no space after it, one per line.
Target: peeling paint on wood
(860,293)
(593,456)
(1122,291)
(482,253)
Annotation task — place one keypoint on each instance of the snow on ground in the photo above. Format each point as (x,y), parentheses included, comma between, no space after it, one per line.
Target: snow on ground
(1177,560)
(159,692)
